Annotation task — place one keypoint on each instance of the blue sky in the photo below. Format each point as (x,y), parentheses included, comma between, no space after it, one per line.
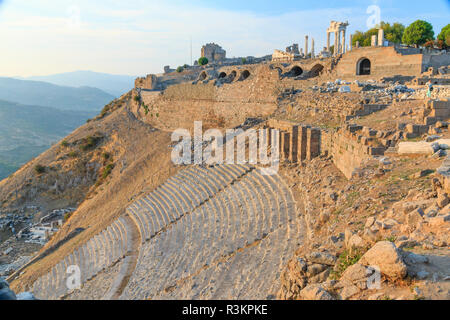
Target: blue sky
(141,36)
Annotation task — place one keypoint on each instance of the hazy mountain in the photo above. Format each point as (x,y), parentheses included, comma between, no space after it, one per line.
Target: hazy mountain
(113,84)
(26,131)
(46,94)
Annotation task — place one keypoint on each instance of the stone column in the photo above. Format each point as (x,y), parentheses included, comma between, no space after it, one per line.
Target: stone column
(381,38)
(293,148)
(284,145)
(374,41)
(312,49)
(336,43)
(313,148)
(351,42)
(344,48)
(328,41)
(306,45)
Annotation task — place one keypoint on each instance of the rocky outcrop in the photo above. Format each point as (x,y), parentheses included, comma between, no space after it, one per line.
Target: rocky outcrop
(5,292)
(303,273)
(387,258)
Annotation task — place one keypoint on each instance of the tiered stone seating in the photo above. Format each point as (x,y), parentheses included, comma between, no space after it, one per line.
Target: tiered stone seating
(234,241)
(179,195)
(100,252)
(214,232)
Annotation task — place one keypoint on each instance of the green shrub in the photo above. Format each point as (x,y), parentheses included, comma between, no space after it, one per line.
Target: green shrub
(73,154)
(346,259)
(180,69)
(107,170)
(39,169)
(106,155)
(64,143)
(145,109)
(203,61)
(89,143)
(67,216)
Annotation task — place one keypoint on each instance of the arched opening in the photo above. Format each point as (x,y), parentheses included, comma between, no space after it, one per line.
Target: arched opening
(232,75)
(316,70)
(203,76)
(222,75)
(363,67)
(295,71)
(244,75)
(280,71)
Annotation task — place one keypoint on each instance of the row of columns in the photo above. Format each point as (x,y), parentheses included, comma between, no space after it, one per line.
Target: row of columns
(339,41)
(298,144)
(312,47)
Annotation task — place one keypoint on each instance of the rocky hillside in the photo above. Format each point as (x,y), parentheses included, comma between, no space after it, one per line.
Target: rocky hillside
(315,231)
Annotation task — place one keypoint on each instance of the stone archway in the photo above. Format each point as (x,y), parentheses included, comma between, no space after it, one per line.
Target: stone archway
(203,76)
(363,67)
(222,75)
(295,71)
(232,75)
(316,70)
(244,75)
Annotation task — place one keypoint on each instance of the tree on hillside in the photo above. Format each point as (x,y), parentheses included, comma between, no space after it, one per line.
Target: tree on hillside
(364,38)
(203,61)
(444,36)
(180,69)
(418,33)
(393,33)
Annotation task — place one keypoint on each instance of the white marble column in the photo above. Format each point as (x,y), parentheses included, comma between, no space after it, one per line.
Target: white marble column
(336,43)
(344,48)
(306,46)
(328,41)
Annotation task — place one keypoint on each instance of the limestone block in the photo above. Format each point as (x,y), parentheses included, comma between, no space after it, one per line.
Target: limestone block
(385,256)
(420,147)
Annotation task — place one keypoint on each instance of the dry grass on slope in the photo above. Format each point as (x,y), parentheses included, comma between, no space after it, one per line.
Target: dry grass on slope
(139,156)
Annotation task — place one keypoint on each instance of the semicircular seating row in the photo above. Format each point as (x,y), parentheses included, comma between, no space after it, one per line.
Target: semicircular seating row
(179,195)
(232,246)
(100,252)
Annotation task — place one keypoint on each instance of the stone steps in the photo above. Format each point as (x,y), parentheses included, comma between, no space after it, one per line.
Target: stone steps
(96,255)
(201,225)
(252,208)
(179,195)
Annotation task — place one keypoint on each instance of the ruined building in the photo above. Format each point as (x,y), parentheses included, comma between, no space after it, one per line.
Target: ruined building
(213,52)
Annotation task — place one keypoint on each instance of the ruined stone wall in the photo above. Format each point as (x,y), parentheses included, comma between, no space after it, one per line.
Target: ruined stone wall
(150,82)
(217,104)
(435,61)
(348,149)
(385,61)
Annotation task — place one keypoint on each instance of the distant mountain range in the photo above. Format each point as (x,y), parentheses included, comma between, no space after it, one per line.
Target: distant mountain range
(38,111)
(26,131)
(50,95)
(115,85)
